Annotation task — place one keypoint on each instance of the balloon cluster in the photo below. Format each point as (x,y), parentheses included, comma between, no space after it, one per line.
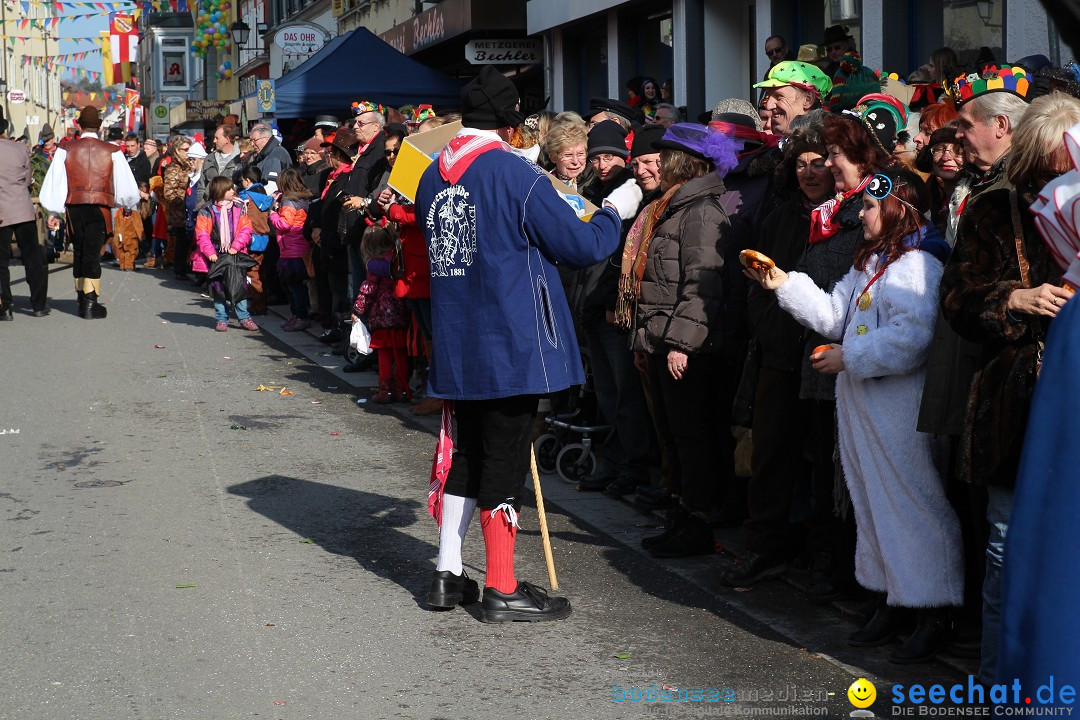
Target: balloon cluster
(224,71)
(212,28)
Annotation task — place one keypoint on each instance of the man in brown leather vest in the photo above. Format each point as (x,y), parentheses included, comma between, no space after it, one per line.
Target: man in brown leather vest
(87,178)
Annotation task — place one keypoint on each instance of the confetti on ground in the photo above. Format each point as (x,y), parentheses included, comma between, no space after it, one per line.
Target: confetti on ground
(622,655)
(264,388)
(185,586)
(10,431)
(159,347)
(279,702)
(361,401)
(671,688)
(227,357)
(335,433)
(237,427)
(270,625)
(162,376)
(308,541)
(285,391)
(316,402)
(164,322)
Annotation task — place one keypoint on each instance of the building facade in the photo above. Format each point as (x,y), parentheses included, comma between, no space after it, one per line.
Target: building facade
(31,92)
(713,49)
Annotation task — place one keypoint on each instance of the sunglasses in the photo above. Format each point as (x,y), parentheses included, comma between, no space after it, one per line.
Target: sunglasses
(774,51)
(391,152)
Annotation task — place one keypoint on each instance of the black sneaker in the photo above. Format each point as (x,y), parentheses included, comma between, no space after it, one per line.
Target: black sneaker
(886,624)
(331,336)
(528,603)
(751,568)
(448,590)
(594,483)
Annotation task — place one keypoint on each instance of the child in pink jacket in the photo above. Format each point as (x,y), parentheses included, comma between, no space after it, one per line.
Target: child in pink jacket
(288,216)
(222,227)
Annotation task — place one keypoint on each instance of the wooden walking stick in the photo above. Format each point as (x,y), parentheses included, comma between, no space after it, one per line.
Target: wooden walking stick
(543,520)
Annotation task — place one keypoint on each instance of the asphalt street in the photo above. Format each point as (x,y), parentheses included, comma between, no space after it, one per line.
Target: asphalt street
(175,543)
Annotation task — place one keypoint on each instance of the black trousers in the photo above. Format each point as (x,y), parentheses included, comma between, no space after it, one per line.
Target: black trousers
(88,233)
(33,258)
(777,461)
(491,456)
(699,416)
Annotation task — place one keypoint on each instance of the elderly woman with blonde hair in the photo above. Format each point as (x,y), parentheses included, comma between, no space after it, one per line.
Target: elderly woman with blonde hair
(1002,289)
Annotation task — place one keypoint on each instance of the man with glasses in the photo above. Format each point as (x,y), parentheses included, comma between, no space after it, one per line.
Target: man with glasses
(368,167)
(666,115)
(776,50)
(269,157)
(837,43)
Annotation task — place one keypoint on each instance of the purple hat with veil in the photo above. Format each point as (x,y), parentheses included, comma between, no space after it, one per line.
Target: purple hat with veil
(703,143)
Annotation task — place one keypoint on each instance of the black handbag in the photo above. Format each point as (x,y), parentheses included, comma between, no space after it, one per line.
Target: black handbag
(742,408)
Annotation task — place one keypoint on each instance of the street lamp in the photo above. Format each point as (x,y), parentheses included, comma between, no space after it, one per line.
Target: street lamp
(240,33)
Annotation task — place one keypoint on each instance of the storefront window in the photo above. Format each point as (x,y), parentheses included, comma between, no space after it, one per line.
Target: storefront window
(968,26)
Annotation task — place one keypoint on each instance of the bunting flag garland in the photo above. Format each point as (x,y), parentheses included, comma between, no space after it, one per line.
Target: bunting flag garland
(65,58)
(53,21)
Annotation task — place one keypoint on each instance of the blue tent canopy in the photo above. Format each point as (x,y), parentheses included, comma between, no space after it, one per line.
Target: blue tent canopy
(360,66)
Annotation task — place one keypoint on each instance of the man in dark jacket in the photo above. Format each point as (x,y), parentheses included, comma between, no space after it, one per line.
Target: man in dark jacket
(136,158)
(225,160)
(269,157)
(369,163)
(495,228)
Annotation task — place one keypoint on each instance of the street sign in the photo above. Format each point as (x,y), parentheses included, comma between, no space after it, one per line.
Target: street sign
(267,100)
(159,119)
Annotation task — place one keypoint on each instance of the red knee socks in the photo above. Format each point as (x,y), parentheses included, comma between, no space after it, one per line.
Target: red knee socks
(499,537)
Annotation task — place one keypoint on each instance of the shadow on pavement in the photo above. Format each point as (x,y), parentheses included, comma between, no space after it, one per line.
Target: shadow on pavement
(358,524)
(205,319)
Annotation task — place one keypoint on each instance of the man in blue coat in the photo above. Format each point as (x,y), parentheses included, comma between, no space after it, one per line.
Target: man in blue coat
(495,229)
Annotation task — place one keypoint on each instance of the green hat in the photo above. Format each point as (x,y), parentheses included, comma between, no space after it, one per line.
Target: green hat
(800,74)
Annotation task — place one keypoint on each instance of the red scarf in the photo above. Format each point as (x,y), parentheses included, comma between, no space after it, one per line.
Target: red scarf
(822,219)
(460,153)
(334,175)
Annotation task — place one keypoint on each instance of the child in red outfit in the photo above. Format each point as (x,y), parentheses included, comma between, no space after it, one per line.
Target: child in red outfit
(386,316)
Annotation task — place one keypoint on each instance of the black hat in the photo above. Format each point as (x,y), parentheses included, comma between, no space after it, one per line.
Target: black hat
(645,140)
(924,161)
(489,101)
(326,121)
(615,107)
(46,133)
(608,137)
(835,33)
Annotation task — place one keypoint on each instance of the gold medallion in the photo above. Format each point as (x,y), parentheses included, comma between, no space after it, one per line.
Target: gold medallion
(864,301)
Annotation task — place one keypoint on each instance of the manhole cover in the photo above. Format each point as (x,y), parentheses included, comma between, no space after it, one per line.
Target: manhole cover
(98,483)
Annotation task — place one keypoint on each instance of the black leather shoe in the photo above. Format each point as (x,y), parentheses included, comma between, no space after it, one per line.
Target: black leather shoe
(330,337)
(691,537)
(882,628)
(528,603)
(448,590)
(42,312)
(6,314)
(621,486)
(753,567)
(932,635)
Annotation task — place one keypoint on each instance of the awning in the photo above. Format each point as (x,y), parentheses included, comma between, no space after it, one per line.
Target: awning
(360,66)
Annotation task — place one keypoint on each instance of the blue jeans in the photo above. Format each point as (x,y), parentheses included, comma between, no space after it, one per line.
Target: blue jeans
(627,449)
(998,508)
(221,310)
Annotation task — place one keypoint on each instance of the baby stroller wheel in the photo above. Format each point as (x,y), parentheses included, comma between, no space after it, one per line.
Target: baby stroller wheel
(547,452)
(352,355)
(575,462)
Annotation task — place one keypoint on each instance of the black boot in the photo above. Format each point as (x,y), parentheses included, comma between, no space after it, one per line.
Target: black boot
(89,309)
(448,589)
(882,628)
(674,519)
(933,631)
(692,536)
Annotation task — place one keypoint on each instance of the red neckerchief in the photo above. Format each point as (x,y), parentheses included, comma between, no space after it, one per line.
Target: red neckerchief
(822,226)
(741,132)
(460,153)
(334,175)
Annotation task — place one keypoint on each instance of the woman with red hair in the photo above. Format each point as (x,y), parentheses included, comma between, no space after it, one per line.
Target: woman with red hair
(884,310)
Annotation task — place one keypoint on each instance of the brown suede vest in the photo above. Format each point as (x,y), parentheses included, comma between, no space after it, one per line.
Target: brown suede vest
(89,168)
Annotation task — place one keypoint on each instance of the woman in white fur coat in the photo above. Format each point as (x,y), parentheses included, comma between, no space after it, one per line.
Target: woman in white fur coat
(884,311)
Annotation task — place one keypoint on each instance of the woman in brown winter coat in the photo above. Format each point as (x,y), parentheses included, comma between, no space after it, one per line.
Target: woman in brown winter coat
(176,180)
(681,242)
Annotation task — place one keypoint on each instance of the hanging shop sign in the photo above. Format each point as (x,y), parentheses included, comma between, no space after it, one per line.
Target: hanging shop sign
(300,39)
(523,51)
(266,97)
(16,96)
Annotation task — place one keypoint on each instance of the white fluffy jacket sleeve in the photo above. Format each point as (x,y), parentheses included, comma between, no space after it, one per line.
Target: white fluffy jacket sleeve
(814,308)
(900,342)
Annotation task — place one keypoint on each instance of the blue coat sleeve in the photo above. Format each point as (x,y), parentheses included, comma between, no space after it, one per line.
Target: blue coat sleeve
(553,227)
